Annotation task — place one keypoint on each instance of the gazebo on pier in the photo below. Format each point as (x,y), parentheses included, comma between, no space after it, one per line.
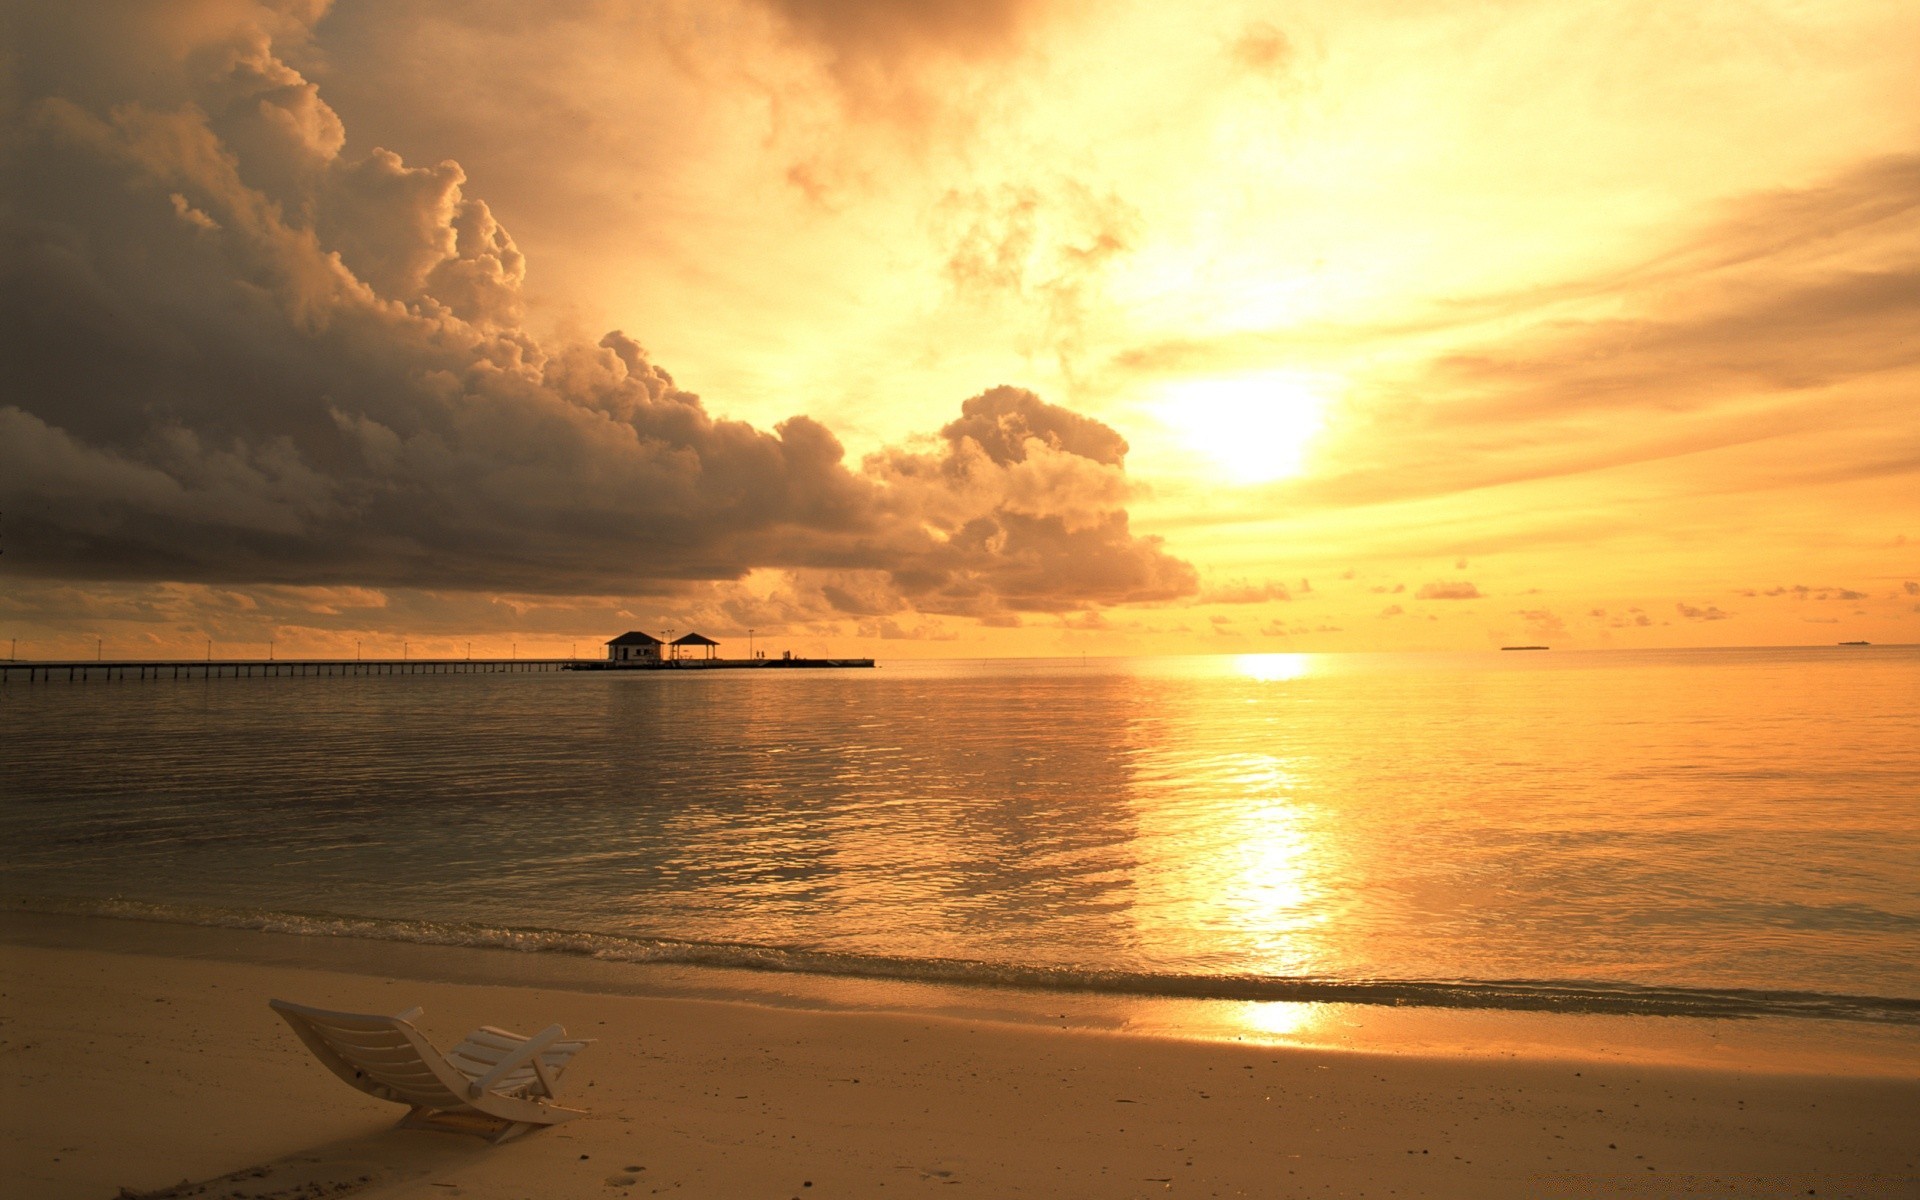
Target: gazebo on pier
(693,639)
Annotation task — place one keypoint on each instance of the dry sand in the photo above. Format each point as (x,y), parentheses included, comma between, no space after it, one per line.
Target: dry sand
(140,1071)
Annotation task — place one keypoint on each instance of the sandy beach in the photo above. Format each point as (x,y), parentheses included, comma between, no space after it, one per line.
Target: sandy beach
(142,1071)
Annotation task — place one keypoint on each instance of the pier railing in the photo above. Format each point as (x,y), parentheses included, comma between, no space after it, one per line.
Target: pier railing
(92,670)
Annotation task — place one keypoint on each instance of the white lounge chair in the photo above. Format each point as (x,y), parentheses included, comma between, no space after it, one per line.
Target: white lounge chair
(495,1083)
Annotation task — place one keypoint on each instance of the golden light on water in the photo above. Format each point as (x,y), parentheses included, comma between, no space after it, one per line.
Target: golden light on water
(1245,878)
(1274,668)
(1254,428)
(1276,1018)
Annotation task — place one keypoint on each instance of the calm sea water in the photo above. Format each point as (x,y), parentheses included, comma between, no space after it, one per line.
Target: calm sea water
(1680,831)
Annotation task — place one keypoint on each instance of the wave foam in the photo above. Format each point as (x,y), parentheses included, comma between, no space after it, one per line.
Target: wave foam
(1570,996)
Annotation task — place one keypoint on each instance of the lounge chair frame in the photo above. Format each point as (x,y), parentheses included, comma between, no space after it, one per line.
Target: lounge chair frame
(495,1084)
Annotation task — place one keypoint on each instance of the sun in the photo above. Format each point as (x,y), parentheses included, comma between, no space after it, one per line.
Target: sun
(1253,428)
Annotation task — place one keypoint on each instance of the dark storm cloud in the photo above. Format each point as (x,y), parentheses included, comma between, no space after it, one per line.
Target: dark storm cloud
(237,355)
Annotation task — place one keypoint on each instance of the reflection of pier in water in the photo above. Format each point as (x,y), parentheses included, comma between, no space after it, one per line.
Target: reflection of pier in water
(96,670)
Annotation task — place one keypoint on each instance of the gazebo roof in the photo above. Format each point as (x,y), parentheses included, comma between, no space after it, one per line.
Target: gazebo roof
(695,639)
(635,638)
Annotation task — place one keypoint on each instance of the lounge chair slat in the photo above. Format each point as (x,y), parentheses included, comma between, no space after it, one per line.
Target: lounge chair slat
(371,1040)
(397,1046)
(400,1072)
(380,1025)
(357,1054)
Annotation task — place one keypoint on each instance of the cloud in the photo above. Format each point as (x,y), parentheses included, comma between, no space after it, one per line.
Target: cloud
(240,355)
(1262,49)
(1785,317)
(1543,623)
(1245,593)
(1709,613)
(1801,591)
(1461,590)
(900,62)
(1392,610)
(873,33)
(1044,248)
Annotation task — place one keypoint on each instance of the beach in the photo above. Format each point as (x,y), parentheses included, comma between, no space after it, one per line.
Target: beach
(142,1070)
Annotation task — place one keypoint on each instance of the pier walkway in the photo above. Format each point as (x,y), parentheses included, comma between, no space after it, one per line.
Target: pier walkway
(95,670)
(90,670)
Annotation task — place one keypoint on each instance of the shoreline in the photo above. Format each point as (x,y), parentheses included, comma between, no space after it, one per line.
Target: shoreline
(1776,1044)
(145,1054)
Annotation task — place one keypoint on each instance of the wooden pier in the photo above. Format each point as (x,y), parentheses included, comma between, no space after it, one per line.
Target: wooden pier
(725,664)
(94,670)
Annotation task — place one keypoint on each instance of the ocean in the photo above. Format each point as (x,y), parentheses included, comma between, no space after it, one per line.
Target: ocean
(1720,833)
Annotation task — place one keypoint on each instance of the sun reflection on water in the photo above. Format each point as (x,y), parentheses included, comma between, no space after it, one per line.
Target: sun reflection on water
(1274,668)
(1284,1019)
(1234,866)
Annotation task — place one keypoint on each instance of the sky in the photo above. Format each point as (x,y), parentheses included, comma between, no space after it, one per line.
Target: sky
(1007,327)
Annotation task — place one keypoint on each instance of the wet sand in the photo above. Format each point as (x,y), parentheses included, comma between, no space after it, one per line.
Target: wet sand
(141,1071)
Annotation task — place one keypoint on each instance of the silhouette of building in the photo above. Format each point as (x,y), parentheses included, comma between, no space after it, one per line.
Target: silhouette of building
(634,647)
(693,639)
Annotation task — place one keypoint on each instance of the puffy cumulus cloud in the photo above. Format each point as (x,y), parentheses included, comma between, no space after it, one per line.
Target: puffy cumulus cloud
(1022,502)
(1443,590)
(238,355)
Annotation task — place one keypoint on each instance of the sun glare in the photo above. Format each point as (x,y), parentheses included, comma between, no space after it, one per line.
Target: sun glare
(1254,428)
(1273,668)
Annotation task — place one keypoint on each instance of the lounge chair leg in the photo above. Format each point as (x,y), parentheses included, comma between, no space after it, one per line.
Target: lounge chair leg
(416,1118)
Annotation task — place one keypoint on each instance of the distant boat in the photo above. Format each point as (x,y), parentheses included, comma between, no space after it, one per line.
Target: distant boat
(1526,647)
(1856,643)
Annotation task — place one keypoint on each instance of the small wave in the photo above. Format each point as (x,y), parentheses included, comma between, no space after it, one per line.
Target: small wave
(1567,996)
